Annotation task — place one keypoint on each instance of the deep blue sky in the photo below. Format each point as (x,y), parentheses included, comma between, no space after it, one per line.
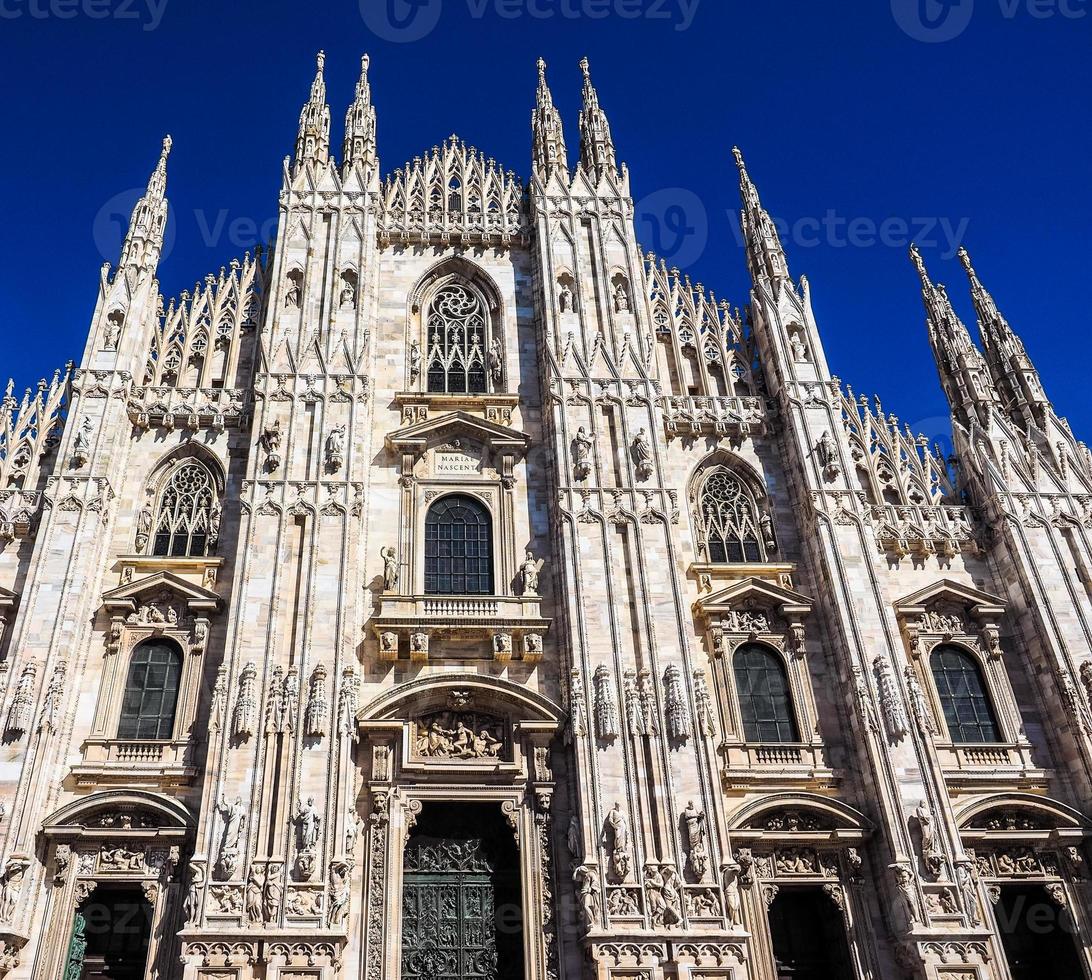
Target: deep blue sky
(839,110)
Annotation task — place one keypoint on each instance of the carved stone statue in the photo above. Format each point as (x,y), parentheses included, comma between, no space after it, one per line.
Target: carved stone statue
(617,840)
(234,818)
(254,889)
(827,451)
(621,298)
(390,568)
(348,296)
(529,572)
(271,444)
(664,894)
(565,298)
(335,448)
(307,825)
(415,360)
(143,527)
(606,709)
(733,903)
(642,455)
(587,884)
(582,447)
(496,364)
(694,821)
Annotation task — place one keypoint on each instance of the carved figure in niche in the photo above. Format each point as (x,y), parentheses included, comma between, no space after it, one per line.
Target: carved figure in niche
(827,451)
(254,904)
(496,365)
(352,830)
(582,447)
(621,298)
(799,349)
(11,887)
(664,895)
(617,839)
(565,299)
(694,820)
(733,901)
(339,892)
(765,523)
(572,838)
(415,360)
(704,904)
(335,448)
(529,572)
(143,527)
(348,295)
(271,444)
(294,293)
(234,817)
(307,824)
(112,331)
(969,891)
(81,444)
(390,568)
(622,902)
(904,878)
(587,882)
(642,455)
(274,892)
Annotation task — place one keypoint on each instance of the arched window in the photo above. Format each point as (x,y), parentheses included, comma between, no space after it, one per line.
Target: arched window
(962,691)
(455,334)
(762,688)
(151,692)
(185,513)
(458,548)
(735,529)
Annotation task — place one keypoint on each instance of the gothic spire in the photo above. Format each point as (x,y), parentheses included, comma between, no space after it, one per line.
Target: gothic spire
(144,239)
(765,255)
(359,147)
(597,155)
(1013,372)
(963,370)
(548,132)
(313,140)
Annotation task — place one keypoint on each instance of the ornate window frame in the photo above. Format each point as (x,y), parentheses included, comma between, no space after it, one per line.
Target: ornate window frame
(951,614)
(155,488)
(458,453)
(159,606)
(753,611)
(400,781)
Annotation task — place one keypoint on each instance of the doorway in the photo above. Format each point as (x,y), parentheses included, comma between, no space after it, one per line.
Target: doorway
(110,934)
(462,907)
(1037,935)
(809,937)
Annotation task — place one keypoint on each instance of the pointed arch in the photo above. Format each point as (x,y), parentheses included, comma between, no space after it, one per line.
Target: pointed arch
(731,512)
(182,518)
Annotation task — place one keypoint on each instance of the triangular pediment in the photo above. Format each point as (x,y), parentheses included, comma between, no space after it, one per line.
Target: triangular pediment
(416,438)
(955,593)
(128,597)
(751,593)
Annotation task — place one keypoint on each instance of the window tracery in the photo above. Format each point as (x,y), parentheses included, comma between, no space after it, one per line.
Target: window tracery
(455,333)
(735,528)
(187,513)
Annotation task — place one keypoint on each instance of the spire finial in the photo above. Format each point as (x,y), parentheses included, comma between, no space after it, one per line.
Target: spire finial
(585,67)
(313,138)
(144,239)
(359,146)
(597,155)
(919,264)
(547,131)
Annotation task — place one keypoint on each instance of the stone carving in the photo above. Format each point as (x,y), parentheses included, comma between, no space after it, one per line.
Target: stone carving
(228,899)
(587,885)
(894,715)
(21,709)
(621,298)
(582,448)
(348,697)
(704,904)
(274,891)
(502,646)
(318,704)
(1086,680)
(606,710)
(415,360)
(233,816)
(733,902)
(565,299)
(616,839)
(191,905)
(496,362)
(968,890)
(51,700)
(677,710)
(353,825)
(418,645)
(271,445)
(635,723)
(749,622)
(919,708)
(451,735)
(532,646)
(865,707)
(81,443)
(529,572)
(390,568)
(931,851)
(143,527)
(664,893)
(703,705)
(905,880)
(290,700)
(944,623)
(578,726)
(340,877)
(694,822)
(307,821)
(335,449)
(642,455)
(121,859)
(244,718)
(11,887)
(650,719)
(827,452)
(388,645)
(255,886)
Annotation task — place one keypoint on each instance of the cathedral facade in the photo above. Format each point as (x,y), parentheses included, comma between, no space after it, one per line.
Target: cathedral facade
(454,591)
